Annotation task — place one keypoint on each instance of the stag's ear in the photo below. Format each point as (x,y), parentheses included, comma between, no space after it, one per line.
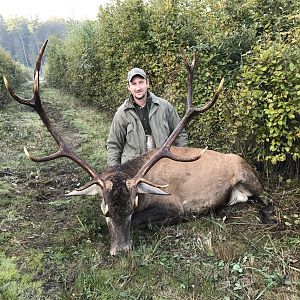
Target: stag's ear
(144,188)
(91,190)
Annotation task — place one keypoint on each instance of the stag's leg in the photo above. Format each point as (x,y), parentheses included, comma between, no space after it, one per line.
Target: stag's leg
(226,211)
(157,214)
(250,188)
(266,209)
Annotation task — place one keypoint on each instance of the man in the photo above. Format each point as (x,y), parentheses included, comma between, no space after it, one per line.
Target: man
(142,122)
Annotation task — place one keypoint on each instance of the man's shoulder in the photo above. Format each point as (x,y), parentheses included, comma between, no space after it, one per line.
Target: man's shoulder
(125,105)
(163,103)
(159,100)
(123,110)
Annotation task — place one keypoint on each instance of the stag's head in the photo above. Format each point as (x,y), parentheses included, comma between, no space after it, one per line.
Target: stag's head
(120,198)
(119,189)
(117,208)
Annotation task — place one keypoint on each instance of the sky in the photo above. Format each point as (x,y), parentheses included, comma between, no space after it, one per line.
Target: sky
(45,9)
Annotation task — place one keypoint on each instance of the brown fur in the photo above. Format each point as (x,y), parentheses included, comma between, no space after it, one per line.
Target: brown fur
(194,187)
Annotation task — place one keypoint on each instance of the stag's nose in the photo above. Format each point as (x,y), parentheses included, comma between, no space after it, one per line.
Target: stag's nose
(120,249)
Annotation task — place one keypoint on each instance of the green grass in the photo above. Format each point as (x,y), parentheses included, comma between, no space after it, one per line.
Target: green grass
(13,284)
(53,247)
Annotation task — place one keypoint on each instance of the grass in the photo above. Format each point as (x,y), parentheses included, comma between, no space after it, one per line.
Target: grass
(52,247)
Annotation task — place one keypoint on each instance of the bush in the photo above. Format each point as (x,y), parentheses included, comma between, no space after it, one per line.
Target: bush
(252,44)
(267,116)
(12,71)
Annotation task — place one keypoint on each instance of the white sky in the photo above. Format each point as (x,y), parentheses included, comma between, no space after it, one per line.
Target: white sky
(45,9)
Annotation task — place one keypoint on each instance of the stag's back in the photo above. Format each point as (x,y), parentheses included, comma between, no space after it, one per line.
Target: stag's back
(206,183)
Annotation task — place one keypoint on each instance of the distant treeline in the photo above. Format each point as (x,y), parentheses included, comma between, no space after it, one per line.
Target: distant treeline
(22,37)
(20,40)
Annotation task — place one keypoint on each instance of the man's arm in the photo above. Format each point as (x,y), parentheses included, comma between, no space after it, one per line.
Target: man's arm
(115,143)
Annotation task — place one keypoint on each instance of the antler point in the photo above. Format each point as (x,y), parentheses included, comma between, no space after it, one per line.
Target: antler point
(5,82)
(27,153)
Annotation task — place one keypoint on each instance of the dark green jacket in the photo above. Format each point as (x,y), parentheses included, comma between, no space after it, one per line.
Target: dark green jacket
(127,140)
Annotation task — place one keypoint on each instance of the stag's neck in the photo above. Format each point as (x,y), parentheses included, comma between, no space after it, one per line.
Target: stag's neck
(131,167)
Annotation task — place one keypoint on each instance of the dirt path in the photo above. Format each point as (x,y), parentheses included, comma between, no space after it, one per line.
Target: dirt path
(38,223)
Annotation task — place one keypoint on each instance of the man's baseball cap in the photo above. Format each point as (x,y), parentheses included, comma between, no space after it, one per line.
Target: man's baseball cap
(134,72)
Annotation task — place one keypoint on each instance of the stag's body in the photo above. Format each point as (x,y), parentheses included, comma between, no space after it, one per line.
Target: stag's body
(215,180)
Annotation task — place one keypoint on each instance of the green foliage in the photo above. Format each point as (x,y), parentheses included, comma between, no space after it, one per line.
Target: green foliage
(276,17)
(13,285)
(123,36)
(56,64)
(268,117)
(81,59)
(243,41)
(11,70)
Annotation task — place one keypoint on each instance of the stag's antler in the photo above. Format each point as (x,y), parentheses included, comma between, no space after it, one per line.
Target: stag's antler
(164,151)
(64,149)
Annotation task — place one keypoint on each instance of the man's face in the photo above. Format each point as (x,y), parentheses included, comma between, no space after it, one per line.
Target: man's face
(138,87)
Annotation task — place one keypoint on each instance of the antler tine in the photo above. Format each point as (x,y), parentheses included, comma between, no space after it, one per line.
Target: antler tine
(190,68)
(16,97)
(164,151)
(36,74)
(64,149)
(208,105)
(30,102)
(40,56)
